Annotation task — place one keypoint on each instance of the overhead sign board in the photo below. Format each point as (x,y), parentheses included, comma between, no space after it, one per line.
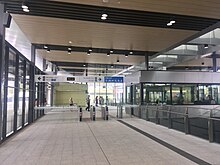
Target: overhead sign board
(55,78)
(113,79)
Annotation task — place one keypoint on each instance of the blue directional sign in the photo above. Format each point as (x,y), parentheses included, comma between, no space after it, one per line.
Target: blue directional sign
(113,79)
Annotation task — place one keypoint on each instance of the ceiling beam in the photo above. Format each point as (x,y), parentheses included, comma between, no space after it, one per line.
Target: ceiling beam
(94,50)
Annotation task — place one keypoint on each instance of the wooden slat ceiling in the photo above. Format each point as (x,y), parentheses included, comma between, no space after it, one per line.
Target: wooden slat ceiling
(115,15)
(131,25)
(47,30)
(200,8)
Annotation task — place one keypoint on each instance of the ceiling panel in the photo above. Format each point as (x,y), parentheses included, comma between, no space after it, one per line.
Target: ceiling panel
(89,34)
(204,8)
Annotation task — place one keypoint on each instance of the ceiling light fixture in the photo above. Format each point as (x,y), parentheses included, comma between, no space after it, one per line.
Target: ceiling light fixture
(104,16)
(48,50)
(88,53)
(70,42)
(84,64)
(171,23)
(90,49)
(69,52)
(108,54)
(111,51)
(126,55)
(112,65)
(131,52)
(24,6)
(45,46)
(206,46)
(69,48)
(26,10)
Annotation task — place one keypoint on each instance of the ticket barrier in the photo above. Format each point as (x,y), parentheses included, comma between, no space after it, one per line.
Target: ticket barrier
(119,112)
(93,113)
(105,114)
(80,113)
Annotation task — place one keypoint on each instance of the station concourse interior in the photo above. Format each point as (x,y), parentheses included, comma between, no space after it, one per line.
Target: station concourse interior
(109,82)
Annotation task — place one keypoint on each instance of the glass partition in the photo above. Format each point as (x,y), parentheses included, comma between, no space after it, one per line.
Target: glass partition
(137,94)
(156,93)
(11,91)
(128,95)
(174,94)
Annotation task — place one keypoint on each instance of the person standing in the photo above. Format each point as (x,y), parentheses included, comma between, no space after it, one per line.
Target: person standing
(96,101)
(71,101)
(88,103)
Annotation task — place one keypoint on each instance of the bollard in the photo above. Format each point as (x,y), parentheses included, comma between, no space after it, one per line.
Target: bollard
(80,114)
(106,113)
(93,113)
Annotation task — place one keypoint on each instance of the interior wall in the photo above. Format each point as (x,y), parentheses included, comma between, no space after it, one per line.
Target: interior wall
(63,92)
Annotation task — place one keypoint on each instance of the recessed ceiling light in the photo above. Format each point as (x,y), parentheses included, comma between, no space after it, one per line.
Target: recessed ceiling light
(88,53)
(45,46)
(108,54)
(111,51)
(103,18)
(70,42)
(130,52)
(126,55)
(84,64)
(48,50)
(24,6)
(169,24)
(173,21)
(90,49)
(206,46)
(26,10)
(69,52)
(104,15)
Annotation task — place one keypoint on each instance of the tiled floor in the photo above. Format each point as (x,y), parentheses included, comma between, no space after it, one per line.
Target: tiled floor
(58,139)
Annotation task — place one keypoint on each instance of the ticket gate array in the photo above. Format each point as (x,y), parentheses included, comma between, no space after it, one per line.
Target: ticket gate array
(93,113)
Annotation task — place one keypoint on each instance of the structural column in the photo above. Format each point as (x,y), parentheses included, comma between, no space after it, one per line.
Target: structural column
(32,86)
(2,57)
(146,62)
(214,61)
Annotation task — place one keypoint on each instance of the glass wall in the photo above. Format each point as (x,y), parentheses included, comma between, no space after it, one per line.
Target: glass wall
(106,93)
(156,93)
(21,91)
(174,94)
(27,80)
(11,91)
(137,94)
(128,95)
(16,83)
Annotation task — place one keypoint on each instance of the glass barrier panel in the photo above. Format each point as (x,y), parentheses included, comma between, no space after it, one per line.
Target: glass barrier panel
(198,122)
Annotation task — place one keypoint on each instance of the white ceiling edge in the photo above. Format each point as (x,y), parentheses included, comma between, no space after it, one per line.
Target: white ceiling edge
(17,39)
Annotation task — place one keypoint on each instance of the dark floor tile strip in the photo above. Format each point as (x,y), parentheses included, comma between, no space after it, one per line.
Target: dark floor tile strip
(171,147)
